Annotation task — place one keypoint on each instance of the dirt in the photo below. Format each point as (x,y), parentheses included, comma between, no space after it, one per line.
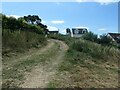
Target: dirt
(41,75)
(27,55)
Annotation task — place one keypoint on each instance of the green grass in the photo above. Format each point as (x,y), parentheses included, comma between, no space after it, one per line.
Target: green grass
(14,75)
(94,50)
(20,41)
(65,38)
(87,65)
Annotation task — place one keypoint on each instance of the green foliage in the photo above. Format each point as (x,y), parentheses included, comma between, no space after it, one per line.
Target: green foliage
(19,35)
(93,49)
(86,61)
(32,19)
(21,40)
(23,24)
(65,38)
(87,48)
(105,40)
(91,37)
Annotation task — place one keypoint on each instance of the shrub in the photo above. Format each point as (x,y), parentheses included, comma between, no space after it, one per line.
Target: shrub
(90,36)
(105,40)
(67,39)
(93,49)
(21,40)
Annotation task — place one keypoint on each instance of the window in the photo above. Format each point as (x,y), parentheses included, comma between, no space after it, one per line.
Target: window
(76,31)
(80,31)
(83,31)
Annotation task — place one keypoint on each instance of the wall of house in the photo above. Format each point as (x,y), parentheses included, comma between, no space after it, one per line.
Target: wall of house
(77,35)
(78,32)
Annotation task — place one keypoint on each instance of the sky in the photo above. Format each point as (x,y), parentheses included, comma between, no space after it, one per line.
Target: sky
(99,17)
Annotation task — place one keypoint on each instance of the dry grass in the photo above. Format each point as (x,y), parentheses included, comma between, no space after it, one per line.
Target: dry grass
(88,65)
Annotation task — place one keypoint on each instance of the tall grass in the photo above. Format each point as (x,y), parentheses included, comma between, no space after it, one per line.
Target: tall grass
(93,49)
(20,40)
(67,39)
(87,64)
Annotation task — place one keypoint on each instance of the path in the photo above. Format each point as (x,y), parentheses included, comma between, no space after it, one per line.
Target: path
(42,74)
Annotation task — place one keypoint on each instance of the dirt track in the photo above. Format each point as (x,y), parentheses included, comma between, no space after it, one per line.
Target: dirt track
(42,74)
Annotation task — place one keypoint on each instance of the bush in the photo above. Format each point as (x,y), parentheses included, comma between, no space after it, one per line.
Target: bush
(90,36)
(21,40)
(14,24)
(105,40)
(67,39)
(19,35)
(93,49)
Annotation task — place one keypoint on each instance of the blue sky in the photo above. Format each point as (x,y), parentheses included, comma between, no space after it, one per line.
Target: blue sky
(97,17)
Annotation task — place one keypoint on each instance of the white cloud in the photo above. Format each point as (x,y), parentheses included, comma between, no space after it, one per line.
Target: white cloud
(44,22)
(102,29)
(57,22)
(52,28)
(16,16)
(102,2)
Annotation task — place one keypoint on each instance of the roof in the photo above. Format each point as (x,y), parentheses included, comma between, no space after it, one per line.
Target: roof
(53,31)
(81,27)
(115,36)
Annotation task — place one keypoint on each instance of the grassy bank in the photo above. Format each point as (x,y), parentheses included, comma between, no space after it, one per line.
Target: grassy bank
(20,41)
(19,35)
(14,72)
(87,65)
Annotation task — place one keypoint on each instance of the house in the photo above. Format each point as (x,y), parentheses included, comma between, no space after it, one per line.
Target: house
(115,38)
(77,31)
(53,32)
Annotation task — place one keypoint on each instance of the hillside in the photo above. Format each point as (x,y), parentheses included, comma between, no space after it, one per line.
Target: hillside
(19,35)
(31,60)
(34,69)
(87,65)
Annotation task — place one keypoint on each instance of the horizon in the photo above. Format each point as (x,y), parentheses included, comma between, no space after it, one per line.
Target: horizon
(98,18)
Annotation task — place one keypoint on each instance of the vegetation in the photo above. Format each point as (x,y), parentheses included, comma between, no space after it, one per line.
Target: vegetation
(104,40)
(91,37)
(22,33)
(87,64)
(93,49)
(15,69)
(20,41)
(65,38)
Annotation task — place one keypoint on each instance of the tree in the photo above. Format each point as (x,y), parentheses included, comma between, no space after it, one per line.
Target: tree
(32,19)
(21,23)
(12,23)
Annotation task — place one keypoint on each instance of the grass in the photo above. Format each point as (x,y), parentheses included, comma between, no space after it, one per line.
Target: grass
(94,50)
(65,38)
(13,75)
(87,65)
(20,41)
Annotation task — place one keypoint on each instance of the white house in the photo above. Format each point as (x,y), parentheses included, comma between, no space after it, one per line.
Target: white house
(77,31)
